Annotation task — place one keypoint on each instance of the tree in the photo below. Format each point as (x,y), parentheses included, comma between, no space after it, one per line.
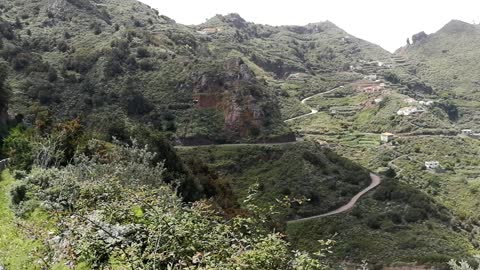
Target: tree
(4,90)
(19,147)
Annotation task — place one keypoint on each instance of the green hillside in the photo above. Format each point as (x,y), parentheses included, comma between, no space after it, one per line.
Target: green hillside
(449,60)
(135,142)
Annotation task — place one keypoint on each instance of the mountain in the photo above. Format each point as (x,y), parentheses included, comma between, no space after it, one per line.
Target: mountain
(296,115)
(448,60)
(119,63)
(115,63)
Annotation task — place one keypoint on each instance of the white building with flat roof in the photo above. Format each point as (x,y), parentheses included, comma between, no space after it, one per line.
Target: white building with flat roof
(409,111)
(432,165)
(386,137)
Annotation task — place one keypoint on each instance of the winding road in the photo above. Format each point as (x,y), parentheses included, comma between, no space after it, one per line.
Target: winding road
(376,180)
(312,110)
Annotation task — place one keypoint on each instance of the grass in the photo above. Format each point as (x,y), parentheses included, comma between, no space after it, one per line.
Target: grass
(16,249)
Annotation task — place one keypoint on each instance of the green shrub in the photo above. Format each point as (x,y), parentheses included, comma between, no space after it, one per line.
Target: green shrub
(147,65)
(143,52)
(374,222)
(18,193)
(18,146)
(415,214)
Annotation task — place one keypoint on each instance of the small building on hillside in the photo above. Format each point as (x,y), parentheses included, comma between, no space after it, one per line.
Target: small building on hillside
(426,102)
(378,100)
(209,31)
(409,111)
(386,137)
(432,165)
(467,132)
(371,77)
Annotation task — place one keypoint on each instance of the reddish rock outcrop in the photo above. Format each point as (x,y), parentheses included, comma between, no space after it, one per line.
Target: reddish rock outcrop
(234,91)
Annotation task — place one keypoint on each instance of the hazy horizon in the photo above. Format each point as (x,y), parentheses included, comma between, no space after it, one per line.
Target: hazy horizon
(387,25)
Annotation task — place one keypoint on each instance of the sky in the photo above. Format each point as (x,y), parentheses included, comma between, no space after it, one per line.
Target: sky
(384,22)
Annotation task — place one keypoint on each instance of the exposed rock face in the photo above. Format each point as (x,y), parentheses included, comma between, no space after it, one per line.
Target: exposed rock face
(235,92)
(419,37)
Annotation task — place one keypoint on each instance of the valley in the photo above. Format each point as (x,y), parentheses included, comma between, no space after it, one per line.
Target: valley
(136,142)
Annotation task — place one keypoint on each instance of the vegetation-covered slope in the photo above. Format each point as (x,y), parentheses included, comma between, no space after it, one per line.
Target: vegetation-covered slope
(449,60)
(300,171)
(114,62)
(118,62)
(120,69)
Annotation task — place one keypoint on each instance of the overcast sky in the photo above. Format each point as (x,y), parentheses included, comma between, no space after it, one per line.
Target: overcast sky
(387,23)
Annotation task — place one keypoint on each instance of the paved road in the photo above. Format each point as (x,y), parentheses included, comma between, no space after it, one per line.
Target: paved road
(376,180)
(312,110)
(235,144)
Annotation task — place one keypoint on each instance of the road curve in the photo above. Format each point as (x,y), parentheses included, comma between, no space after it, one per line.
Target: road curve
(312,110)
(376,180)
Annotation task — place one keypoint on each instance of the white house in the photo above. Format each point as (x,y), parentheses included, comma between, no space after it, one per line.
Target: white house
(370,77)
(467,132)
(426,102)
(409,110)
(378,100)
(386,137)
(432,165)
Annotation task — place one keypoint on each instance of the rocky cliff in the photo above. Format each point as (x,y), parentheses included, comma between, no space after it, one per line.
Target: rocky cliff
(236,93)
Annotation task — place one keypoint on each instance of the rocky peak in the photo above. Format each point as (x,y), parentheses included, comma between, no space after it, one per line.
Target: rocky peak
(235,20)
(419,37)
(232,20)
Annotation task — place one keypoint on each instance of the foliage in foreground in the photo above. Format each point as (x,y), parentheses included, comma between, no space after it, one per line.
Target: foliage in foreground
(464,265)
(112,209)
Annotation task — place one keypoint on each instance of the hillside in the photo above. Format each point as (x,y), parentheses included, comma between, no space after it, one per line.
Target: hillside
(138,141)
(120,62)
(449,60)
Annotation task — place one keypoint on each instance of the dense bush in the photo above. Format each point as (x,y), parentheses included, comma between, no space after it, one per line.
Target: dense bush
(18,193)
(115,207)
(415,214)
(143,52)
(82,61)
(21,61)
(6,30)
(392,77)
(19,147)
(147,65)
